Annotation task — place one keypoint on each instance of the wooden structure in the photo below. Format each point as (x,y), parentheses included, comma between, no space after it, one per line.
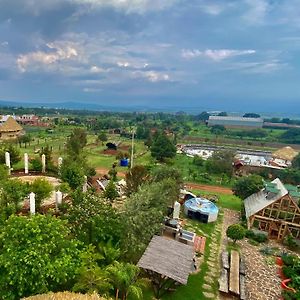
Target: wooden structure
(199,244)
(275,210)
(167,262)
(10,129)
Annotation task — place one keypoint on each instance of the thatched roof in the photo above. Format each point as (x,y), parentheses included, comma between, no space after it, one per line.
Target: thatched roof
(10,125)
(169,258)
(285,153)
(65,296)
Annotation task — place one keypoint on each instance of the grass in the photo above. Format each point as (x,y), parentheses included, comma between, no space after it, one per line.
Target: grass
(224,201)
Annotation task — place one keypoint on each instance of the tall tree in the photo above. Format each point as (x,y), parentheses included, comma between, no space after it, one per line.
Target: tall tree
(136,177)
(246,186)
(162,148)
(296,162)
(76,142)
(36,256)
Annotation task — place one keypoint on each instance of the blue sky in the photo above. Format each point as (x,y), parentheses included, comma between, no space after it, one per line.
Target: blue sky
(235,55)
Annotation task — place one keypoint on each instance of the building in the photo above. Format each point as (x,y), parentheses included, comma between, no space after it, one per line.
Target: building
(32,120)
(275,210)
(10,129)
(236,122)
(283,157)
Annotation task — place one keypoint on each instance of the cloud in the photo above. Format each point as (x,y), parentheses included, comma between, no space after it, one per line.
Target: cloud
(151,76)
(257,11)
(216,55)
(129,6)
(41,58)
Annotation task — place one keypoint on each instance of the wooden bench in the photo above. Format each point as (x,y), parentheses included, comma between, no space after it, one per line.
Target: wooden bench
(234,274)
(242,287)
(223,281)
(199,244)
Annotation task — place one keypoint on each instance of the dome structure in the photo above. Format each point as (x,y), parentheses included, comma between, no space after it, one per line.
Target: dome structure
(201,209)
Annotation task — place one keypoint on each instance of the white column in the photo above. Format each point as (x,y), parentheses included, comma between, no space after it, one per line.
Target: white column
(26,163)
(85,185)
(59,162)
(176,210)
(58,199)
(43,163)
(7,161)
(32,203)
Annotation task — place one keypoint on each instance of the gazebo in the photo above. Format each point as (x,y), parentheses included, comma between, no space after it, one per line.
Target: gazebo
(168,262)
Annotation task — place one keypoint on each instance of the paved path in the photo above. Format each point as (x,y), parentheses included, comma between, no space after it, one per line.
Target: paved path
(262,282)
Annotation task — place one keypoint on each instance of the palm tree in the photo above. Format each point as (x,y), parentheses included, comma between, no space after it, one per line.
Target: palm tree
(123,277)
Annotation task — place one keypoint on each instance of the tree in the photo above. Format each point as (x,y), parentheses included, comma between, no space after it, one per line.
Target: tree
(37,255)
(296,162)
(292,135)
(223,114)
(217,129)
(12,195)
(72,173)
(246,186)
(42,189)
(198,161)
(93,220)
(102,137)
(111,192)
(14,152)
(161,173)
(124,278)
(143,215)
(251,115)
(204,116)
(26,138)
(221,162)
(135,177)
(235,232)
(76,142)
(162,148)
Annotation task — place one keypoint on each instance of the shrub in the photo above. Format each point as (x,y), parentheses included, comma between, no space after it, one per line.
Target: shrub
(290,242)
(36,165)
(288,260)
(235,232)
(249,234)
(288,271)
(260,237)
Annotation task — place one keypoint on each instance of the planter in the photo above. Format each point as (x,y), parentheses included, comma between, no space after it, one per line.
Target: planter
(284,285)
(279,261)
(124,162)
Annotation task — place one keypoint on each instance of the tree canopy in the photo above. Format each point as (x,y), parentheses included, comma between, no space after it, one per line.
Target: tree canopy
(36,256)
(246,186)
(235,232)
(162,148)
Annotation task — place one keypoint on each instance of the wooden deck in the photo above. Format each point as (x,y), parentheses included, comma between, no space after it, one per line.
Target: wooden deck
(199,244)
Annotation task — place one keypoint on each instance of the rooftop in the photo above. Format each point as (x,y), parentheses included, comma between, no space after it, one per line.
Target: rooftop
(232,118)
(169,258)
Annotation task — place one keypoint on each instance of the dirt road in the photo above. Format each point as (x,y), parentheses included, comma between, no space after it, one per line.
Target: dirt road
(189,185)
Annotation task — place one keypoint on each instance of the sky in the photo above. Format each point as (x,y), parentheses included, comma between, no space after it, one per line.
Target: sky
(232,54)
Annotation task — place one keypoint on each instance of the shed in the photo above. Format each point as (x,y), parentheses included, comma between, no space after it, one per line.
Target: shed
(168,258)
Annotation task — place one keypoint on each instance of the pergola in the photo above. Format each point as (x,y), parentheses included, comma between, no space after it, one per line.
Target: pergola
(167,262)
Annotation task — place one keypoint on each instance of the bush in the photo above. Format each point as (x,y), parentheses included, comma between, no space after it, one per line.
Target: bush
(288,271)
(249,234)
(290,242)
(235,232)
(260,237)
(36,165)
(288,260)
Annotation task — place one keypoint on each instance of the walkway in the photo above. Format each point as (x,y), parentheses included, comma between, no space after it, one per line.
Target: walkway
(262,282)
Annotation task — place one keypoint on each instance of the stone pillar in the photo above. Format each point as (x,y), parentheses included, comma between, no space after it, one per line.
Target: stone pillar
(26,163)
(59,162)
(32,203)
(176,210)
(85,185)
(43,163)
(7,162)
(58,199)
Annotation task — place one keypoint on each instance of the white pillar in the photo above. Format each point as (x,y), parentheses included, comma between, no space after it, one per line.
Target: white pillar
(59,162)
(85,185)
(26,163)
(43,163)
(7,162)
(32,203)
(176,210)
(58,199)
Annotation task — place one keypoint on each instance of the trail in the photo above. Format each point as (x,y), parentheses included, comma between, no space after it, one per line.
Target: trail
(189,185)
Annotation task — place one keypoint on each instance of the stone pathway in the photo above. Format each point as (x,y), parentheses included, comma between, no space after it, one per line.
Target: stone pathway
(262,282)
